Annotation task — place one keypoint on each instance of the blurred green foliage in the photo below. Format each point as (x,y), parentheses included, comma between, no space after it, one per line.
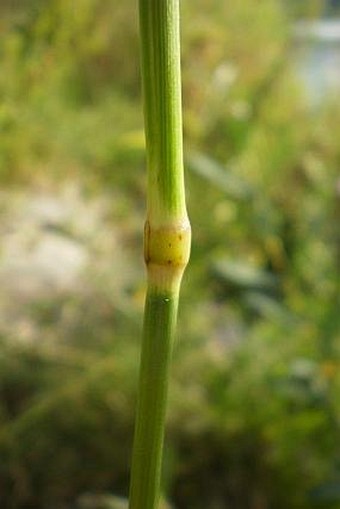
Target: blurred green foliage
(255,399)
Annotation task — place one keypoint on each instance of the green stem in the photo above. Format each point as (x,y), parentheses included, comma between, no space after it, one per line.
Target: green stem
(154,374)
(161,77)
(167,239)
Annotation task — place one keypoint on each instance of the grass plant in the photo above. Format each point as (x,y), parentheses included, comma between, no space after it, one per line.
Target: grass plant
(167,238)
(264,274)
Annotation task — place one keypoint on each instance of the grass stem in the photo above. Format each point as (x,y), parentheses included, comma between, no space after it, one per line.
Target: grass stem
(167,239)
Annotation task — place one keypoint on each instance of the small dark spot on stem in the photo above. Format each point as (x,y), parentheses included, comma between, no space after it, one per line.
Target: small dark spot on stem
(169,244)
(180,237)
(169,262)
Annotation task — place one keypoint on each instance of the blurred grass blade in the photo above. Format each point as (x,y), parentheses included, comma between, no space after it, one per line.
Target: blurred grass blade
(218,175)
(243,275)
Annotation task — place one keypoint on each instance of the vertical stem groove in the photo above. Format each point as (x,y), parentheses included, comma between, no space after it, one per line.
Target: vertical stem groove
(161,78)
(160,308)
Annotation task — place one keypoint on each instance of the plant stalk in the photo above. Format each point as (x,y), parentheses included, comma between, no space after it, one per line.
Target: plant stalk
(167,238)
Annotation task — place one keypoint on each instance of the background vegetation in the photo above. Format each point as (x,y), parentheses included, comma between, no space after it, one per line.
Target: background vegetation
(255,398)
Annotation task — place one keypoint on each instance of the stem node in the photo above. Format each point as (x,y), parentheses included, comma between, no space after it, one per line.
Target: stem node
(167,246)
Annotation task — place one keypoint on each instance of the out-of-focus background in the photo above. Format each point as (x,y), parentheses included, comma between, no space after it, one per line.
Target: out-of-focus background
(254,409)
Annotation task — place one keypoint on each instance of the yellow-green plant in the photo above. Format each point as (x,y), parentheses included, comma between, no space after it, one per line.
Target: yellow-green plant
(167,238)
